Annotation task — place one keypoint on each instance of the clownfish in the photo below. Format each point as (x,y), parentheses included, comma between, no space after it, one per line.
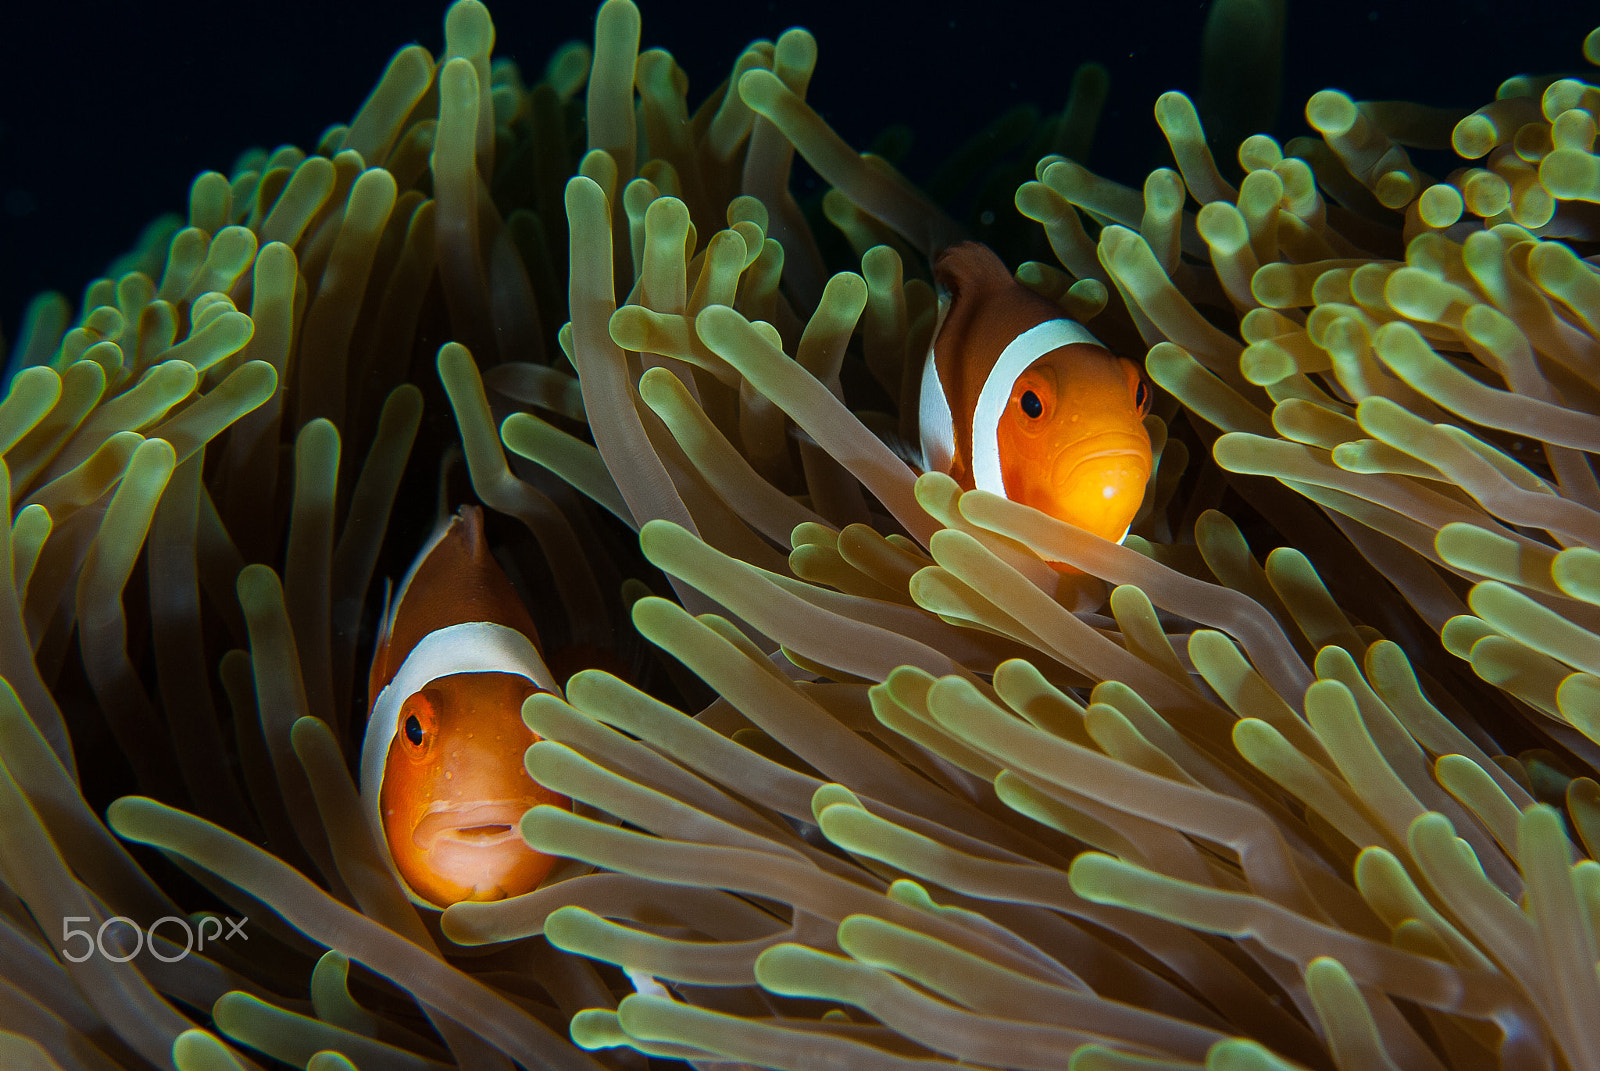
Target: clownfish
(1019,400)
(442,780)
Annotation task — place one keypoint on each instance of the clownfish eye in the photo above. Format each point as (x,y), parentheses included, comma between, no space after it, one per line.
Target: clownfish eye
(1031,405)
(1141,397)
(419,721)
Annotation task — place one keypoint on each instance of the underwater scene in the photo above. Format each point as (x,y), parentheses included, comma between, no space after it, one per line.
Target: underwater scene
(813,537)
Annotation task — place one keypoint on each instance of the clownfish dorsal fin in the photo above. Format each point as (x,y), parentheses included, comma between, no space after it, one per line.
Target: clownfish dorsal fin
(444,519)
(455,580)
(391,606)
(968,267)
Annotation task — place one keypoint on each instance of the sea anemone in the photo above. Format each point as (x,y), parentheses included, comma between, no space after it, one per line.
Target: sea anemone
(1198,804)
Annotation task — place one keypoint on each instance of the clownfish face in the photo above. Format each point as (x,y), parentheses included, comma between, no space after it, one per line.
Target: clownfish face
(1072,441)
(454,790)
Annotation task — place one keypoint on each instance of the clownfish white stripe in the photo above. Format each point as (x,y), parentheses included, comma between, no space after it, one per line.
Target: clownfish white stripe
(935,423)
(470,647)
(1021,352)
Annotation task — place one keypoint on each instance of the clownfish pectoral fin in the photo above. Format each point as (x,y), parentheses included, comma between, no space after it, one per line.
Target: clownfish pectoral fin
(647,984)
(380,670)
(378,676)
(451,456)
(909,452)
(388,605)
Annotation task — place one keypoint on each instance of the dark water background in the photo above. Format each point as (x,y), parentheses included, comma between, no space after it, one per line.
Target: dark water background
(107,111)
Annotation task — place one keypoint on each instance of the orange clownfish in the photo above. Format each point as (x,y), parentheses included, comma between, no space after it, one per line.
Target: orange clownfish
(442,780)
(1019,400)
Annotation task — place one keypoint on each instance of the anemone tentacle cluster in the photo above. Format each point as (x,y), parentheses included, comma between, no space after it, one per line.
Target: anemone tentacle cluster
(1197,805)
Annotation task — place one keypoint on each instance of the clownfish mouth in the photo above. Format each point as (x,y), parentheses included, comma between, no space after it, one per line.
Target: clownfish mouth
(489,824)
(1079,461)
(1114,444)
(1098,484)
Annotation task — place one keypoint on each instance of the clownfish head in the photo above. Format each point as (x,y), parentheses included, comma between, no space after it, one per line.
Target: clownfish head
(454,790)
(1071,440)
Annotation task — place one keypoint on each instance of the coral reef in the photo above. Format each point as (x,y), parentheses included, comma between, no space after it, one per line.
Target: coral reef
(1201,804)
